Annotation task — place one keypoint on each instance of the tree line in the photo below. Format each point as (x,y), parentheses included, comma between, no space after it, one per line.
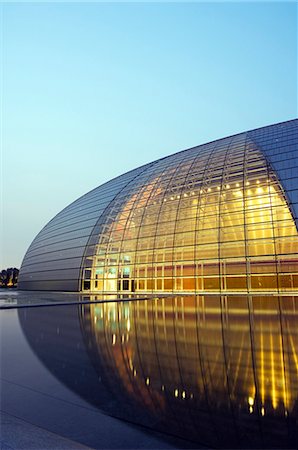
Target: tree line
(9,277)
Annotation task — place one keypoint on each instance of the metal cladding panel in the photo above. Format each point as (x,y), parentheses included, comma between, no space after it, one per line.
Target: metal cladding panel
(53,260)
(279,144)
(50,285)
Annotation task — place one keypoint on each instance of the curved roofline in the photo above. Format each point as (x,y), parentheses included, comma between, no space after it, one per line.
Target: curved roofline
(228,137)
(160,159)
(176,153)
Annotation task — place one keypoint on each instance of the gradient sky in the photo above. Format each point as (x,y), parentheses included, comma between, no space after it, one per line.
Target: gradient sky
(92,90)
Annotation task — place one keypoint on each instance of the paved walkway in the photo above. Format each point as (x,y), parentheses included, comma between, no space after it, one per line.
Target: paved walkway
(16,434)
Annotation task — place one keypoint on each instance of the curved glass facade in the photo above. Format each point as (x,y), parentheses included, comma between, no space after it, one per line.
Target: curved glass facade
(216,220)
(220,217)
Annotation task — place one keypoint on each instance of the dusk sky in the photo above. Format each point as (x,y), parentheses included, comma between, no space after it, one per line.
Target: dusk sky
(92,90)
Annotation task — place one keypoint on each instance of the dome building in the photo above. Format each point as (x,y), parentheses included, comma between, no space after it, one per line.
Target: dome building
(218,218)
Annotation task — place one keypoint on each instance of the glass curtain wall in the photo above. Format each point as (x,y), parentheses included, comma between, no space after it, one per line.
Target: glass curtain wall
(212,218)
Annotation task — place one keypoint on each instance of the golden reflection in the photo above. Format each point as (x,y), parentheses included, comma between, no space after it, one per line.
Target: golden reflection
(236,352)
(273,391)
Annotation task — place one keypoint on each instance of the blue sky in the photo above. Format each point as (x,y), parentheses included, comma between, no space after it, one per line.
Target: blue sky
(92,90)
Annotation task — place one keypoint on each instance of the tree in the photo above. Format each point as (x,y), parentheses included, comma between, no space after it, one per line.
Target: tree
(9,277)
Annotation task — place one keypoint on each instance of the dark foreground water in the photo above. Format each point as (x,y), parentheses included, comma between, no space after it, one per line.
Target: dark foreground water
(215,371)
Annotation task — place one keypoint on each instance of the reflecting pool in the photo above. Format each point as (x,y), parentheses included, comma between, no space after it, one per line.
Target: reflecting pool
(219,371)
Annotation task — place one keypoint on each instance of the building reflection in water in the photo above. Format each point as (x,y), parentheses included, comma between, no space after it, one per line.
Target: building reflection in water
(218,370)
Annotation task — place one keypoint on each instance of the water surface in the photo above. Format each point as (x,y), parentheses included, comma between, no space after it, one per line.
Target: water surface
(215,371)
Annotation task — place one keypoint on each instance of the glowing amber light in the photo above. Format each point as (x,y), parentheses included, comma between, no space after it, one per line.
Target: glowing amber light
(199,243)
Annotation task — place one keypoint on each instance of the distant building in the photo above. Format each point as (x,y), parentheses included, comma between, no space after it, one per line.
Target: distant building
(220,217)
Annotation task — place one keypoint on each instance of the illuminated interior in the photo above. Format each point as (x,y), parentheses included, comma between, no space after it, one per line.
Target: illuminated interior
(210,221)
